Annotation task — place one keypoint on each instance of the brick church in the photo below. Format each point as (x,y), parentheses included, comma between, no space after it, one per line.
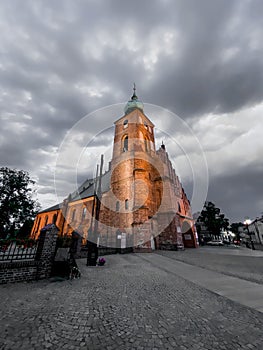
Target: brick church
(138,202)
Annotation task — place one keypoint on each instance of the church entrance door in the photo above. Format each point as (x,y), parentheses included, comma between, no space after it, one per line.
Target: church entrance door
(188,235)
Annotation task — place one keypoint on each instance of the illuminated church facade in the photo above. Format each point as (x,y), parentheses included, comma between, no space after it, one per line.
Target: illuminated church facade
(139,202)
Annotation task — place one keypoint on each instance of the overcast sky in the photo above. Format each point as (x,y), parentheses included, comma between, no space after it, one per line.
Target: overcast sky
(202,60)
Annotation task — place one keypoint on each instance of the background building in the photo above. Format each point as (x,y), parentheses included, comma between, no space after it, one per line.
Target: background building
(253,230)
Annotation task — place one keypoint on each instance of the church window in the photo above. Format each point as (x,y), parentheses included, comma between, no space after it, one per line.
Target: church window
(146,145)
(38,223)
(73,214)
(117,206)
(54,219)
(126,204)
(125,144)
(125,124)
(145,125)
(158,198)
(46,220)
(179,207)
(84,211)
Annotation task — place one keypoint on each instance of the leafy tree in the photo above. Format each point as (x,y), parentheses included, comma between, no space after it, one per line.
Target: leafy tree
(16,203)
(25,229)
(213,219)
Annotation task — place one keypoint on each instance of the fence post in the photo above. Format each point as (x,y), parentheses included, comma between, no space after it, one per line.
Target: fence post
(46,250)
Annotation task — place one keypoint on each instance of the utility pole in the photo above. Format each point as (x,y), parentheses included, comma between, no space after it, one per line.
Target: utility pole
(98,200)
(93,230)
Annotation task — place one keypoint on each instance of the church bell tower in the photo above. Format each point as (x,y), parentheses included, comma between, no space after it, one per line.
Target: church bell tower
(134,174)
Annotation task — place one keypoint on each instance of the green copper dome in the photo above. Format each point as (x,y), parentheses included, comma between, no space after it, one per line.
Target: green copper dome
(133,103)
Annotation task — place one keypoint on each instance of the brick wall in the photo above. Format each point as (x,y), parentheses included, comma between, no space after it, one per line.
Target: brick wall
(18,271)
(46,250)
(28,270)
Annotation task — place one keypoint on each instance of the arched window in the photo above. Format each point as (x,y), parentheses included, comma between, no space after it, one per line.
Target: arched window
(145,125)
(38,223)
(125,124)
(126,204)
(46,220)
(73,214)
(125,144)
(146,145)
(117,206)
(158,198)
(54,219)
(84,211)
(179,207)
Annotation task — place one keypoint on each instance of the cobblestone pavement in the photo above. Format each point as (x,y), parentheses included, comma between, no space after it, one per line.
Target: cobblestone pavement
(233,261)
(127,304)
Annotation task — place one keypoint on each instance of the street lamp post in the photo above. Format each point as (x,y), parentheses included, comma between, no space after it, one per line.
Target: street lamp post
(246,223)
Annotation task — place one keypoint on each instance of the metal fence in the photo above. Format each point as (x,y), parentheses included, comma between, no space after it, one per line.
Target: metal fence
(15,250)
(110,250)
(106,250)
(101,251)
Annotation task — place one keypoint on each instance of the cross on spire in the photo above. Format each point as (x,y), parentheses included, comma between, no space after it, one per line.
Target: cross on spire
(134,97)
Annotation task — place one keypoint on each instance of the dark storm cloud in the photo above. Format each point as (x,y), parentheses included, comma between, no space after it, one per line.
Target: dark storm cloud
(219,66)
(61,60)
(245,189)
(103,139)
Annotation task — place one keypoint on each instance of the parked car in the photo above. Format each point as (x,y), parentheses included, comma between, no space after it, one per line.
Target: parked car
(179,246)
(215,242)
(237,242)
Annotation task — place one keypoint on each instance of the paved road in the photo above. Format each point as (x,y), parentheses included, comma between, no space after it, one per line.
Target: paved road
(128,304)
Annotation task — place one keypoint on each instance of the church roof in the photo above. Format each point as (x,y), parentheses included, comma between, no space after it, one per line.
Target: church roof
(135,112)
(54,207)
(133,103)
(87,188)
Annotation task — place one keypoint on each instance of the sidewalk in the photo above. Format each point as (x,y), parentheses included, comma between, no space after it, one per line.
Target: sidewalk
(244,292)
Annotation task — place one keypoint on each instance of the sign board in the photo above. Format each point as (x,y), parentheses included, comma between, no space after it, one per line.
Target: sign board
(62,254)
(123,240)
(187,237)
